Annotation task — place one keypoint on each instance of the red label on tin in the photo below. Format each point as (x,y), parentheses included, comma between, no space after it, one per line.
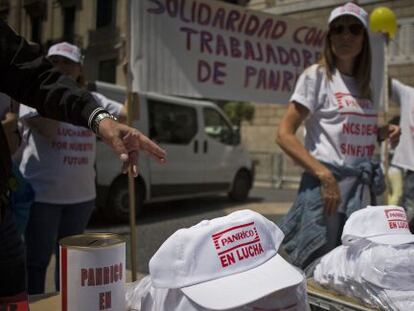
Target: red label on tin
(14,303)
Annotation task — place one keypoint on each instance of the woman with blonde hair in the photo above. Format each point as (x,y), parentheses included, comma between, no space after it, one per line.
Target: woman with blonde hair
(333,100)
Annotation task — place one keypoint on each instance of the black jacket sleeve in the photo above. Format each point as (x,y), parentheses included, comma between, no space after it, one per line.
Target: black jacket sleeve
(30,79)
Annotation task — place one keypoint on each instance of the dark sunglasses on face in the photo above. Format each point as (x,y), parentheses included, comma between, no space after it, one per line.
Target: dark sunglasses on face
(354,29)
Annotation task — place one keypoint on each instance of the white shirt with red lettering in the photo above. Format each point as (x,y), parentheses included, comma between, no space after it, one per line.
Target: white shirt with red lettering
(404,153)
(61,169)
(341,127)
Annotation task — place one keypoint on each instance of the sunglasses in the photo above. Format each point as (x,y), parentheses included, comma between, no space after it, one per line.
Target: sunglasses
(354,29)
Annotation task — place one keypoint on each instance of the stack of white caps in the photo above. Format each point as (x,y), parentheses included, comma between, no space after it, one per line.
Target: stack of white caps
(379,224)
(226,262)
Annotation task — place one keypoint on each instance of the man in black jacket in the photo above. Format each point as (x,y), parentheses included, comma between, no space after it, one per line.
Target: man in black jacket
(30,79)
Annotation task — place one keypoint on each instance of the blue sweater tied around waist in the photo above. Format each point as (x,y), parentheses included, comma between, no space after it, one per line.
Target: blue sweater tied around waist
(304,224)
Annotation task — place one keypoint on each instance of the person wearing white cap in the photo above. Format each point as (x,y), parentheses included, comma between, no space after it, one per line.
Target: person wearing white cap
(333,100)
(64,184)
(374,264)
(227,263)
(29,78)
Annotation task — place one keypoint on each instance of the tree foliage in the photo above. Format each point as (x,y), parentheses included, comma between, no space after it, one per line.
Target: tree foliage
(239,111)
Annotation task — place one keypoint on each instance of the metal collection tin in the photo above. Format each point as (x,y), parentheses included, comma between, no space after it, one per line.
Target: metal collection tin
(92,272)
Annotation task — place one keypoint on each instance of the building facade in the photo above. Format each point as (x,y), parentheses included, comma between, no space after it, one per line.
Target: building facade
(96,26)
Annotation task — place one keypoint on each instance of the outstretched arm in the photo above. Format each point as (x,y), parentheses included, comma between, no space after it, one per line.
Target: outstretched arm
(127,142)
(287,140)
(31,80)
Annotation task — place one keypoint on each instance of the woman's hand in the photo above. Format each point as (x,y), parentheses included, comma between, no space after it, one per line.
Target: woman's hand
(330,191)
(294,116)
(391,132)
(394,133)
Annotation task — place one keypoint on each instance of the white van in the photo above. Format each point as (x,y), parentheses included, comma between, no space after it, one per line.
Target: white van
(204,154)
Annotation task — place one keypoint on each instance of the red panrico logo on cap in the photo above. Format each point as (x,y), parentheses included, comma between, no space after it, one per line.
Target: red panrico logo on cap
(65,48)
(397,219)
(237,243)
(351,8)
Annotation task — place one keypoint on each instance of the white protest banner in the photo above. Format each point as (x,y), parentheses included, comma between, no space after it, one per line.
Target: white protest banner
(377,42)
(211,49)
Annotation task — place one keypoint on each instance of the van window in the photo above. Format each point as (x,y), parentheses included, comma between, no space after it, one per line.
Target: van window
(171,123)
(217,127)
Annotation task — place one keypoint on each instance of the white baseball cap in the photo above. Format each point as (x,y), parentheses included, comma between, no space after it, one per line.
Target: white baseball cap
(66,50)
(385,224)
(350,9)
(225,262)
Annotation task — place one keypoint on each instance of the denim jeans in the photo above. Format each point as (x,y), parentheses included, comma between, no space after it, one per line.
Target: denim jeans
(407,199)
(48,223)
(12,258)
(306,227)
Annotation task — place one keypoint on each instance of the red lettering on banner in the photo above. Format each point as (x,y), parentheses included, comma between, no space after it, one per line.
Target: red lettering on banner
(214,73)
(310,36)
(204,14)
(157,10)
(235,48)
(218,45)
(252,25)
(188,32)
(219,18)
(232,18)
(221,48)
(226,19)
(266,79)
(205,41)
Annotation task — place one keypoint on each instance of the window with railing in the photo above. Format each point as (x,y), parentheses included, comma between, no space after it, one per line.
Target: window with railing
(107,70)
(402,47)
(105,13)
(69,15)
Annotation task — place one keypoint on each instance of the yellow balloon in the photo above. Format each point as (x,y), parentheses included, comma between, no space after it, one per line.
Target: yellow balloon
(382,19)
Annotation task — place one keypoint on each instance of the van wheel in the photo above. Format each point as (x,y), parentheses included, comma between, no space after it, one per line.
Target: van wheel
(117,207)
(241,186)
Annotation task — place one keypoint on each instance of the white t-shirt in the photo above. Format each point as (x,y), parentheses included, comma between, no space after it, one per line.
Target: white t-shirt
(341,127)
(143,296)
(379,275)
(404,153)
(61,170)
